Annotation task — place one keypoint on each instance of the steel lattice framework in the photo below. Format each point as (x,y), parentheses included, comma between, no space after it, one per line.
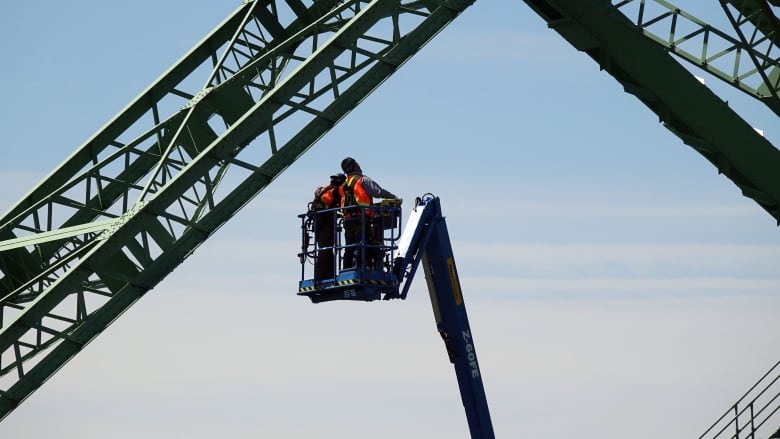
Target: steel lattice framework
(747,60)
(637,42)
(180,160)
(139,196)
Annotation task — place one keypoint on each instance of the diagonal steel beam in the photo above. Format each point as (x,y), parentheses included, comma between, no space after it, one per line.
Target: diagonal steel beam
(684,105)
(747,58)
(164,184)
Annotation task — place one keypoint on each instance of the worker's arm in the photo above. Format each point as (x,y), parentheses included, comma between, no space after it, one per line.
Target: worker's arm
(373,189)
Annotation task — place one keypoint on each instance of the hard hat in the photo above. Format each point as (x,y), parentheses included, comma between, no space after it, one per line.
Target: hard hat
(348,165)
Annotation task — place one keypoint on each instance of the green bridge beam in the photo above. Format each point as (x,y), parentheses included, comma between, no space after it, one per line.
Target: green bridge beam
(685,106)
(212,132)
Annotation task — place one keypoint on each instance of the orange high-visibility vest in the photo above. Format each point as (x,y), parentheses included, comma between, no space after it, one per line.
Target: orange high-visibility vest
(329,199)
(325,197)
(354,183)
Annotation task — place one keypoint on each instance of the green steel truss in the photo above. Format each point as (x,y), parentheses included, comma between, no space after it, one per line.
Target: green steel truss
(759,29)
(214,130)
(636,42)
(180,160)
(748,60)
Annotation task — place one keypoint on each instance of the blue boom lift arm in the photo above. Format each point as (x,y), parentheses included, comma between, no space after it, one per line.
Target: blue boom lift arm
(425,240)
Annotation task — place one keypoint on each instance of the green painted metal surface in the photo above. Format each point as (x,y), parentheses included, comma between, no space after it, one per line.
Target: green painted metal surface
(143,193)
(744,57)
(133,202)
(646,68)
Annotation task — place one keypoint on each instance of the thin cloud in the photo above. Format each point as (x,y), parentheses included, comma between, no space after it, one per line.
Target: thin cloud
(491,45)
(673,260)
(579,288)
(590,209)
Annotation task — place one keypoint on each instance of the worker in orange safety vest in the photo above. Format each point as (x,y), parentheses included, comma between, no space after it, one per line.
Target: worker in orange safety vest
(326,197)
(360,190)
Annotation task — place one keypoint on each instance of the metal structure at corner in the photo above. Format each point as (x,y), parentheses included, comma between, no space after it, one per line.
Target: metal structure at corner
(639,43)
(752,412)
(135,200)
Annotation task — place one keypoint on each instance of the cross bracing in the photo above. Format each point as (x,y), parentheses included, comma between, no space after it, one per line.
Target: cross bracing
(142,193)
(748,58)
(617,35)
(214,130)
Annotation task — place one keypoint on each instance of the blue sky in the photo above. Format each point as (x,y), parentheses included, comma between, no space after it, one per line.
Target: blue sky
(617,286)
